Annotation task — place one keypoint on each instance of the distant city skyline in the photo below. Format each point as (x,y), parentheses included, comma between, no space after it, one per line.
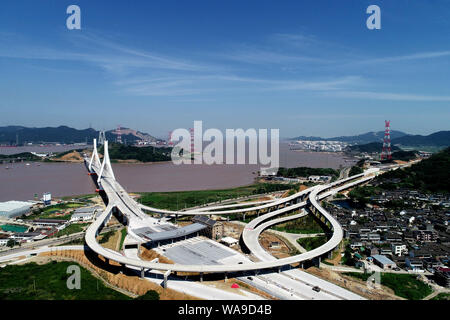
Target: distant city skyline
(307,68)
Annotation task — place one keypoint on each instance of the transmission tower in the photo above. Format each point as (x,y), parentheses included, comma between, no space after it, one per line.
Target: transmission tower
(101,137)
(386,153)
(191,130)
(119,134)
(170,143)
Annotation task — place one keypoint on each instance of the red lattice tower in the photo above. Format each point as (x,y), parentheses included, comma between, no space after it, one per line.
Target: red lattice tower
(386,153)
(119,134)
(170,139)
(191,130)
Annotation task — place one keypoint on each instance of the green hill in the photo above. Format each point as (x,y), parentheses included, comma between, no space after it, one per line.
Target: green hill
(119,151)
(26,156)
(432,174)
(404,155)
(372,147)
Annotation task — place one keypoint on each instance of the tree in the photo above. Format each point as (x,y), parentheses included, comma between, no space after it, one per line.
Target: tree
(11,243)
(149,295)
(355,170)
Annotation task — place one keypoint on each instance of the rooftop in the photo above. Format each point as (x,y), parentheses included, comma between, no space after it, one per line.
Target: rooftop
(382,259)
(14,205)
(170,234)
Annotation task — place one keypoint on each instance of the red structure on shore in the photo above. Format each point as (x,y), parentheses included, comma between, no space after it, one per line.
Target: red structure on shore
(386,154)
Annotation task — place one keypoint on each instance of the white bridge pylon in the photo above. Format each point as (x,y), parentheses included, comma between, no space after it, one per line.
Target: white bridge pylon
(94,157)
(106,168)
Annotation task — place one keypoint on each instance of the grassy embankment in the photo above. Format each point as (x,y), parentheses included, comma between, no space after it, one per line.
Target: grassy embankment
(51,212)
(123,234)
(312,243)
(49,282)
(404,285)
(70,229)
(186,199)
(442,296)
(304,225)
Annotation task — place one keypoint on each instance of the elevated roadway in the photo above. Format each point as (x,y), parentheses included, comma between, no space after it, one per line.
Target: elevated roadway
(118,199)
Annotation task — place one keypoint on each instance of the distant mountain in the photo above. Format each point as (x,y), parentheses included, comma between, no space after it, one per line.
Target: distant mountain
(358,139)
(437,139)
(63,134)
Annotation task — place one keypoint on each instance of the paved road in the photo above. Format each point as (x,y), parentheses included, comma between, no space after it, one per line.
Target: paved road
(52,241)
(36,251)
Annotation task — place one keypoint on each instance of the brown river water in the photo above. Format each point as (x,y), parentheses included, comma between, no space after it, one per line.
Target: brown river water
(22,181)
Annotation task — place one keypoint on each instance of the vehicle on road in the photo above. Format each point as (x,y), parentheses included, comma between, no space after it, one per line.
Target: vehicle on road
(250,278)
(316,288)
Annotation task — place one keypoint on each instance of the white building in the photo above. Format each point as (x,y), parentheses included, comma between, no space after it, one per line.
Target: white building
(319,178)
(4,238)
(82,216)
(229,241)
(85,214)
(398,249)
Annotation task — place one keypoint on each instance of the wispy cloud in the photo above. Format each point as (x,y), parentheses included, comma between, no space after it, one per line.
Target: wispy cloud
(408,57)
(391,96)
(215,83)
(262,56)
(145,73)
(100,52)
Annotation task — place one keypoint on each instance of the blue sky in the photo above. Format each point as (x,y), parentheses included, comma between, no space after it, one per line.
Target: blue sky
(305,67)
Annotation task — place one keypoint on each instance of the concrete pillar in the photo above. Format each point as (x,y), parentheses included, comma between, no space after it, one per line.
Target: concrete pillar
(142,273)
(279,269)
(226,277)
(166,275)
(243,217)
(201,276)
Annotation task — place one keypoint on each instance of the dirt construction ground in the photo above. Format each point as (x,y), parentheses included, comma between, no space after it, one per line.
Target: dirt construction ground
(355,285)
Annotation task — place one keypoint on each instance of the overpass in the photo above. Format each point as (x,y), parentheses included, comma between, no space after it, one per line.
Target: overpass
(118,200)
